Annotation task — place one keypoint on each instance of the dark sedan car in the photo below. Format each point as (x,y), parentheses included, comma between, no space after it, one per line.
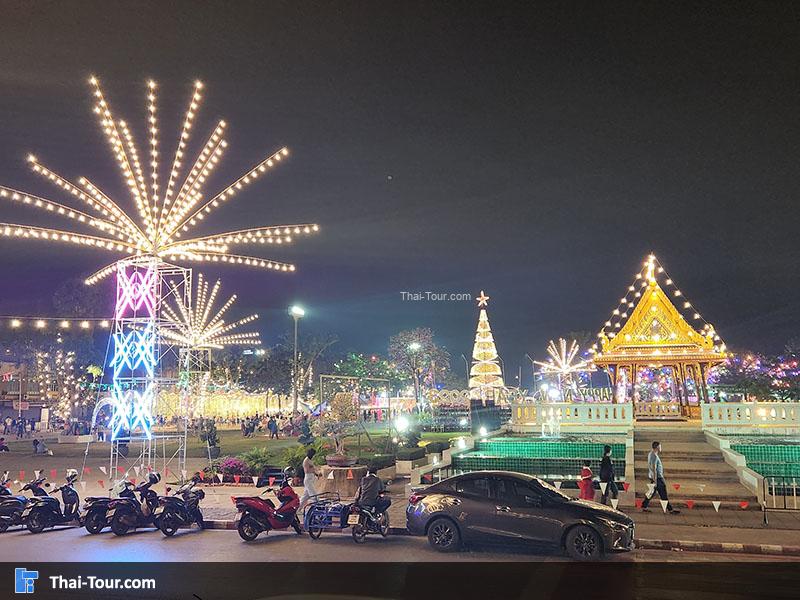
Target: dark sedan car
(501,506)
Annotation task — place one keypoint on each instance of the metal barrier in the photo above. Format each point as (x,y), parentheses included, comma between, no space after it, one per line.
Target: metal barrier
(780,494)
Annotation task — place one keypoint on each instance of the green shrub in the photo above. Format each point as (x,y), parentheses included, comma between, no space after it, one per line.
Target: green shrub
(410,453)
(436,447)
(379,461)
(257,460)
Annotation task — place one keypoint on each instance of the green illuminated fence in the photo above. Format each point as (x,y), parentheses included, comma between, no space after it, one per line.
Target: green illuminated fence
(537,448)
(771,459)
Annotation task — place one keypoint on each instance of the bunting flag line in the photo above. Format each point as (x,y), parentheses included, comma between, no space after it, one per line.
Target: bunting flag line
(83,485)
(271,481)
(22,475)
(53,473)
(220,477)
(136,470)
(614,503)
(103,469)
(664,505)
(677,486)
(716,504)
(638,502)
(87,470)
(603,487)
(349,473)
(702,486)
(36,473)
(133,480)
(237,478)
(690,504)
(330,475)
(101,483)
(255,480)
(650,488)
(626,485)
(202,475)
(557,484)
(744,504)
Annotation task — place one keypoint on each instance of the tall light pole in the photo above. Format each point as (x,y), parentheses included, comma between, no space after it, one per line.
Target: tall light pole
(297,313)
(466,368)
(413,348)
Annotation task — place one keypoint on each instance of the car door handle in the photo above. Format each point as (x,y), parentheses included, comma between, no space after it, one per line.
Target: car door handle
(502,508)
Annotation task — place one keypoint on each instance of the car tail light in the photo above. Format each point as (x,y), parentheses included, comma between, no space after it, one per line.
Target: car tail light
(415,498)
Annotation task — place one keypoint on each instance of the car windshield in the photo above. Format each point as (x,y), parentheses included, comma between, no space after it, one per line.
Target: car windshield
(550,490)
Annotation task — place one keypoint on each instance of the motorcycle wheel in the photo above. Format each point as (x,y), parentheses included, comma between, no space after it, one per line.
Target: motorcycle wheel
(36,522)
(117,526)
(384,524)
(198,517)
(169,524)
(95,522)
(3,526)
(248,529)
(359,533)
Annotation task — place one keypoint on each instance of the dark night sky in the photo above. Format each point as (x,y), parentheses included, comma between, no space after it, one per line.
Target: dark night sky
(539,155)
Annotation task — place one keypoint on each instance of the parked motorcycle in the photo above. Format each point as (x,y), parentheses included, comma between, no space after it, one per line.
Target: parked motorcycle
(45,511)
(94,509)
(12,506)
(130,513)
(180,509)
(257,514)
(365,520)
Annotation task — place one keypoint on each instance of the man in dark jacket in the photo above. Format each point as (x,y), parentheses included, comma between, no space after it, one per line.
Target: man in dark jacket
(607,476)
(370,490)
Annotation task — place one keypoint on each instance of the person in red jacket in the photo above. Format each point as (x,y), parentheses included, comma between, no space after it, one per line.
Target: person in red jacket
(585,484)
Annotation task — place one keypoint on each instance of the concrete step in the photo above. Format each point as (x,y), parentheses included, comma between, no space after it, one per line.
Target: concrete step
(671,436)
(711,466)
(688,489)
(694,476)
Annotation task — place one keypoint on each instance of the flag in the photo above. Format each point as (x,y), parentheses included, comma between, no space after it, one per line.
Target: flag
(330,475)
(603,487)
(557,484)
(103,469)
(664,505)
(690,504)
(716,504)
(626,485)
(349,473)
(677,486)
(237,478)
(271,481)
(101,483)
(53,473)
(744,504)
(255,480)
(614,502)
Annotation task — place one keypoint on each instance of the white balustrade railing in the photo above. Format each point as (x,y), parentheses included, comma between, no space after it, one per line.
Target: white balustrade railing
(537,415)
(724,415)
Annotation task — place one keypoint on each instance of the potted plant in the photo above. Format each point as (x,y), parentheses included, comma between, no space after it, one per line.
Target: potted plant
(338,422)
(210,437)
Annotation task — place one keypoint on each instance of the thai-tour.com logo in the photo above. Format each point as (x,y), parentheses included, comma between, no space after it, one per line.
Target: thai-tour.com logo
(24,580)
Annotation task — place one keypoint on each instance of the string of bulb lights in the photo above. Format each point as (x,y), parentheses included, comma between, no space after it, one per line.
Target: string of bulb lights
(162,217)
(196,328)
(651,271)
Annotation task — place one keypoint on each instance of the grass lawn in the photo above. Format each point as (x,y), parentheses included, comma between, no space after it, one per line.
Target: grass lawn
(231,444)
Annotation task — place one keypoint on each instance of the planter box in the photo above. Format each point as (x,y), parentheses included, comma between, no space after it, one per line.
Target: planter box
(403,467)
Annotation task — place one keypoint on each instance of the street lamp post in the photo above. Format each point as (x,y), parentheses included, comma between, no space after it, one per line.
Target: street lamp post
(466,368)
(297,313)
(413,348)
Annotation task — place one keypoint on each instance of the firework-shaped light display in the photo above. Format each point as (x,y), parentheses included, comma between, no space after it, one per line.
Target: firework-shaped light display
(199,327)
(165,211)
(563,363)
(167,207)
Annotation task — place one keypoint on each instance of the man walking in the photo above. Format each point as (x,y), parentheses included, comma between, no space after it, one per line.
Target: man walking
(608,476)
(655,471)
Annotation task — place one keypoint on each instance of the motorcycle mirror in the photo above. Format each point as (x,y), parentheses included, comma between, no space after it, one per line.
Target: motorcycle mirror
(169,489)
(47,484)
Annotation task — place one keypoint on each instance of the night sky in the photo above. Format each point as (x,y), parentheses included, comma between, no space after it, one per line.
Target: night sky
(538,155)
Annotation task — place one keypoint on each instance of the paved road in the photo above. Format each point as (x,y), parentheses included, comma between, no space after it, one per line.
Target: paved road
(75,545)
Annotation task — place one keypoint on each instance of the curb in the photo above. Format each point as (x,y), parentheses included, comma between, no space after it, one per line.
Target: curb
(645,544)
(722,547)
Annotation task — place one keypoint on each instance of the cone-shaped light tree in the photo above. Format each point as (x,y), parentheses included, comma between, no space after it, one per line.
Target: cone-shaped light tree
(485,376)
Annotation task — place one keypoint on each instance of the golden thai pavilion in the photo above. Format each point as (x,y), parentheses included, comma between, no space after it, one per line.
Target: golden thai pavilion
(653,356)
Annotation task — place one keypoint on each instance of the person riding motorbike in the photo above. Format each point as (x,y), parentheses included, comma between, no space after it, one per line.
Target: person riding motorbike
(371,492)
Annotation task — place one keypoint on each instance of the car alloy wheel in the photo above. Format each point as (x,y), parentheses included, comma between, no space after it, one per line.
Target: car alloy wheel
(583,543)
(443,535)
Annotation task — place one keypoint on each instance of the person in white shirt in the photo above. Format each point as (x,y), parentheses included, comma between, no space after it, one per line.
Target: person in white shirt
(655,471)
(310,478)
